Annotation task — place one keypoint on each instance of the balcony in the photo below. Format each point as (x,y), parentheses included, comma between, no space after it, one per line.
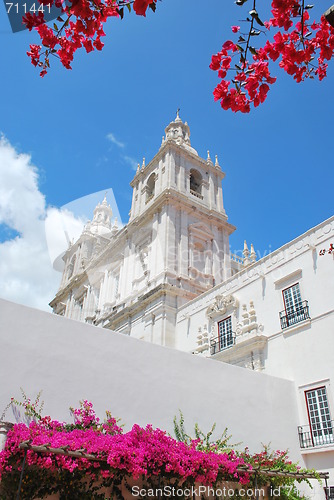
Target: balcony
(221,343)
(293,315)
(321,434)
(149,198)
(195,193)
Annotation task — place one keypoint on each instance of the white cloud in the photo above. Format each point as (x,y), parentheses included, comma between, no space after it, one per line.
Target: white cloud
(131,161)
(26,273)
(61,228)
(111,137)
(127,159)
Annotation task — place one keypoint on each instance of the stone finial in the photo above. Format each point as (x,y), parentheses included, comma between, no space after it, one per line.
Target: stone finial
(245,253)
(252,254)
(138,169)
(208,160)
(178,119)
(143,164)
(216,162)
(163,140)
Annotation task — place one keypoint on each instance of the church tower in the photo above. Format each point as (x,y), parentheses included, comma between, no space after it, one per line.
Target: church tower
(174,247)
(181,194)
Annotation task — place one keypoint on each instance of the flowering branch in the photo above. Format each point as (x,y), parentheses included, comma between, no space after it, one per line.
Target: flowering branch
(83,27)
(293,43)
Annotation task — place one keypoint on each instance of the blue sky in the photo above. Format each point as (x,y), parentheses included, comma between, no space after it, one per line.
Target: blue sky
(84,129)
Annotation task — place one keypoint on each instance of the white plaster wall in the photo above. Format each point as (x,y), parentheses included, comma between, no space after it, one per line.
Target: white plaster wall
(304,354)
(139,381)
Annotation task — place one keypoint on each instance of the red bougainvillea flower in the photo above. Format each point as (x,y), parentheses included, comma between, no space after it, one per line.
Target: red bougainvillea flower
(140,6)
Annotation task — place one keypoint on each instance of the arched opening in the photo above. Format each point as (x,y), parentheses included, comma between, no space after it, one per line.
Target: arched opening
(150,187)
(195,183)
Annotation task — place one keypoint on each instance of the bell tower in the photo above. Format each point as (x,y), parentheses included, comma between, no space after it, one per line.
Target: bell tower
(181,193)
(174,247)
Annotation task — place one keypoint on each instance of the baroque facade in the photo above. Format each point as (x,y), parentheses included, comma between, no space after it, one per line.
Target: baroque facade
(174,247)
(168,277)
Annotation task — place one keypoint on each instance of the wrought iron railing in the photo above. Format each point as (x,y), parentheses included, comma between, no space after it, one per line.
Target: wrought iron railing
(319,434)
(195,193)
(293,315)
(221,343)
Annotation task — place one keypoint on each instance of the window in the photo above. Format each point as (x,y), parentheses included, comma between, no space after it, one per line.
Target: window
(225,335)
(295,310)
(321,425)
(196,183)
(198,257)
(150,187)
(329,492)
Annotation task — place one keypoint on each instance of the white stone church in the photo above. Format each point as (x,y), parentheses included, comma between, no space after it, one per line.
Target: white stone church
(168,277)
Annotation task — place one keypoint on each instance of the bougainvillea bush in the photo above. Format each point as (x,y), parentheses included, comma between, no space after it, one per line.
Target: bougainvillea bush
(148,454)
(300,43)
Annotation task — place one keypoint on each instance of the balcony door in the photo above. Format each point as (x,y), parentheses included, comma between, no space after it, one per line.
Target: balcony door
(320,419)
(293,304)
(225,333)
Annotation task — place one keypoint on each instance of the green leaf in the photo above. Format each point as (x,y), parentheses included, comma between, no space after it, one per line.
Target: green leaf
(259,22)
(255,16)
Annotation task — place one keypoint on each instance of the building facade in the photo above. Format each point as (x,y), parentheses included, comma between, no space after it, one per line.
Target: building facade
(168,277)
(174,247)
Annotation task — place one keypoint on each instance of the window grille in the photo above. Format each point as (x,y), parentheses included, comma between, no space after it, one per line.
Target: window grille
(319,415)
(225,333)
(296,310)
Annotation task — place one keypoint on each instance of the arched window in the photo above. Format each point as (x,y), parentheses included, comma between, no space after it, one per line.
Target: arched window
(150,187)
(195,183)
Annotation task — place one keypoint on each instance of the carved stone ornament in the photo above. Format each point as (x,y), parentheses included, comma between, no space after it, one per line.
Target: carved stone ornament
(221,305)
(248,322)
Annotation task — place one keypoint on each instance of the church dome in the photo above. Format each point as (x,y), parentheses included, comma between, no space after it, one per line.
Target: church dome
(179,132)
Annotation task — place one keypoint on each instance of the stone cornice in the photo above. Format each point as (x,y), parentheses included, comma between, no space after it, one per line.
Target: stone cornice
(241,350)
(180,200)
(170,144)
(132,309)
